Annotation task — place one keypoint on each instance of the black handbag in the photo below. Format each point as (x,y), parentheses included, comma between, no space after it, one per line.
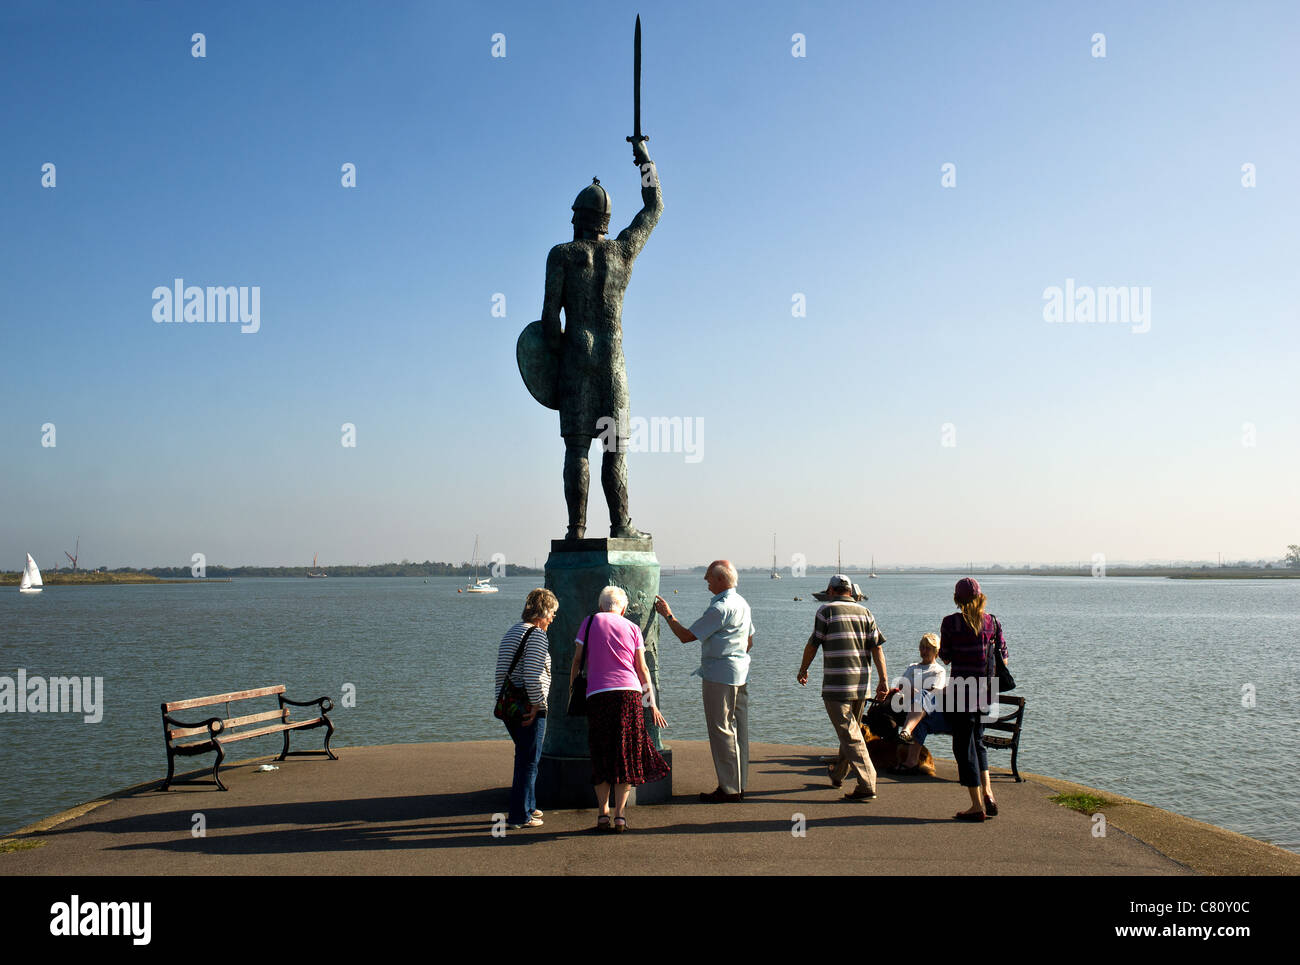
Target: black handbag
(578,692)
(513,704)
(1006,682)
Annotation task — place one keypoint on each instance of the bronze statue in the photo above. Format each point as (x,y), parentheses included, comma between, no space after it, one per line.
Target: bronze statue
(580,370)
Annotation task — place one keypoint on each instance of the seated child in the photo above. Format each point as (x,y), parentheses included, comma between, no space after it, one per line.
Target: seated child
(920,682)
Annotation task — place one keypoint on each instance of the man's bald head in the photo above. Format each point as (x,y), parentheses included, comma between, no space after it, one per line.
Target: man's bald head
(721,575)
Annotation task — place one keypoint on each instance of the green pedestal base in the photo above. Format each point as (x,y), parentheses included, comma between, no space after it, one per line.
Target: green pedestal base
(565,782)
(576,572)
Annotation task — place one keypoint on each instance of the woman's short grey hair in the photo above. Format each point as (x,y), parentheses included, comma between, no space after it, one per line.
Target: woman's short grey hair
(541,603)
(612,600)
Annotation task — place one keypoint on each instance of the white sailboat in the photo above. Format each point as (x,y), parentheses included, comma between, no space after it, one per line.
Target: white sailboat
(484,585)
(31,581)
(775,574)
(872,575)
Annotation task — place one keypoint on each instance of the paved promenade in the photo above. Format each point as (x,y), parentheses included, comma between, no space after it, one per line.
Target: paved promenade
(427,809)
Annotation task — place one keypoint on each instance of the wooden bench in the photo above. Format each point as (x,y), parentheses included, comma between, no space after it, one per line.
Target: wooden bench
(1010,723)
(220,731)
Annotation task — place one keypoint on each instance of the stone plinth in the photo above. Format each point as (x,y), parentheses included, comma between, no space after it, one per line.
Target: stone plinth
(576,572)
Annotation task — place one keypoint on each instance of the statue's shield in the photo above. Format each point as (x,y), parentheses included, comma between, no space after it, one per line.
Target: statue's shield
(539,366)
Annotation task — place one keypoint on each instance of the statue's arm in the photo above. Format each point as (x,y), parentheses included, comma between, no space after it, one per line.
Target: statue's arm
(635,235)
(554,298)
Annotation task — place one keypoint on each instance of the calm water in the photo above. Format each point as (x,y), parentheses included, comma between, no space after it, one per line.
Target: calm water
(1133,685)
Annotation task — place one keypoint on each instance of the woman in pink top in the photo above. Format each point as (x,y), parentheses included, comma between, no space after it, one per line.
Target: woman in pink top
(617,681)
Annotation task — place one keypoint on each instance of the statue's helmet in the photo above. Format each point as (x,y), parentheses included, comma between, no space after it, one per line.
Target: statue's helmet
(592,208)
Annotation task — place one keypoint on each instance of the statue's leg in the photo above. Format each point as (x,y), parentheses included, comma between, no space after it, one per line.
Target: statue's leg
(613,478)
(576,483)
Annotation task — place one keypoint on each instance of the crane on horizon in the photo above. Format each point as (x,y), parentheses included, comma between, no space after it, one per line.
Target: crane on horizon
(74,554)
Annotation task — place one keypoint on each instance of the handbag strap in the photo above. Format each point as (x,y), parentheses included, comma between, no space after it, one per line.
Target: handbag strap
(995,653)
(586,635)
(518,653)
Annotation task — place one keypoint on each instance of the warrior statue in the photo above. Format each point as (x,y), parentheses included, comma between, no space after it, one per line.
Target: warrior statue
(580,370)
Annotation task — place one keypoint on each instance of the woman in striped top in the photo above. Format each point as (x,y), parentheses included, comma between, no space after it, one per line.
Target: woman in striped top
(533,673)
(966,641)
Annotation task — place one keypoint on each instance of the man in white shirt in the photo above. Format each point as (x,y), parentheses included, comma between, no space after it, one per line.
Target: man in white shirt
(726,634)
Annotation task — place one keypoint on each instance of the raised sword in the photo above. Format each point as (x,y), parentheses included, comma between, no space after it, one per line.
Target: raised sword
(637,136)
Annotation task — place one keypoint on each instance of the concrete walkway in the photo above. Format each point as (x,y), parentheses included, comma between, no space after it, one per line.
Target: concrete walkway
(427,809)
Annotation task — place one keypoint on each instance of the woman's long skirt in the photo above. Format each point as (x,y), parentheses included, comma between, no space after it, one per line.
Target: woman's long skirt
(621,751)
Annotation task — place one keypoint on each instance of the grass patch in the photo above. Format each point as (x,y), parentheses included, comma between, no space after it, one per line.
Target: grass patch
(21,844)
(1087,803)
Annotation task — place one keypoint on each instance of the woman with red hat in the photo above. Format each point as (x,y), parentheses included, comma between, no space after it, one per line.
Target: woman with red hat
(966,642)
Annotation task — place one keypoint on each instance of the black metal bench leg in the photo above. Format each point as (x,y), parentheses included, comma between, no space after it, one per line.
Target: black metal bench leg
(285,752)
(1015,752)
(221,756)
(328,734)
(171,769)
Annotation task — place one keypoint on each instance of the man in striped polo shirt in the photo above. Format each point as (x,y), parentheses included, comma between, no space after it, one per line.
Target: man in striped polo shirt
(847,633)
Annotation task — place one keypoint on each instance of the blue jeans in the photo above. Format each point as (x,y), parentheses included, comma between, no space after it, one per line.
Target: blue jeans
(934,723)
(528,751)
(968,747)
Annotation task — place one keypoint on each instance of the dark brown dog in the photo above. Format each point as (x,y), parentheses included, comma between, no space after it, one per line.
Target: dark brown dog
(885,754)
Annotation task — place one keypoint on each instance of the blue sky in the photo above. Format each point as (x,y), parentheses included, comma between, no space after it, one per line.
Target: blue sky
(818,175)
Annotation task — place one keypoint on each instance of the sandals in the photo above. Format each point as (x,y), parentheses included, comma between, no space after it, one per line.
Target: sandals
(602,823)
(969,815)
(904,736)
(991,808)
(620,825)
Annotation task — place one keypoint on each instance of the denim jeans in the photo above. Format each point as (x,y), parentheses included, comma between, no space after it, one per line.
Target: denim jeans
(934,723)
(968,747)
(528,751)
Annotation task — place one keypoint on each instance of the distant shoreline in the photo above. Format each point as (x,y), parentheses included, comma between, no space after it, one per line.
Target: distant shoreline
(101,579)
(225,575)
(1170,572)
